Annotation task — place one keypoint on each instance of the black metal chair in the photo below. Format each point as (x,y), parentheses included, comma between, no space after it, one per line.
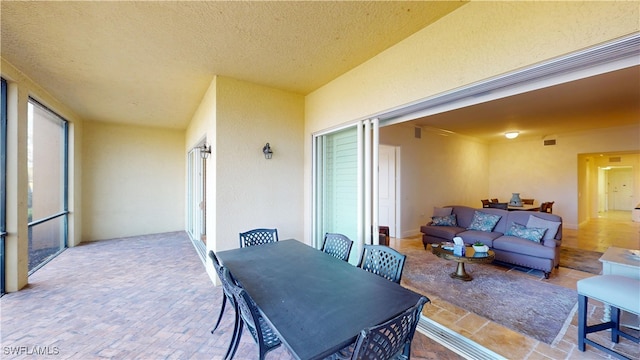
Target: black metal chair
(389,340)
(337,245)
(261,332)
(258,237)
(384,261)
(227,295)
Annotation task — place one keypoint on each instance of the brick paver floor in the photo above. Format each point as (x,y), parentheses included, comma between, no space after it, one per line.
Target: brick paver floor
(144,297)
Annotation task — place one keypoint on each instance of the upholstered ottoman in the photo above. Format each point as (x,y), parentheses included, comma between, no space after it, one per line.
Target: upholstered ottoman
(619,292)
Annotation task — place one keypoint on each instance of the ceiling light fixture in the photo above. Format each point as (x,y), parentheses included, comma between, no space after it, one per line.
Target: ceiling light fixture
(511,134)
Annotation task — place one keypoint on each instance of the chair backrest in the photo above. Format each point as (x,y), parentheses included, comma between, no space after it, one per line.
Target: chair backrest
(226,287)
(485,203)
(503,206)
(547,207)
(259,329)
(337,245)
(258,237)
(495,201)
(384,261)
(390,338)
(527,201)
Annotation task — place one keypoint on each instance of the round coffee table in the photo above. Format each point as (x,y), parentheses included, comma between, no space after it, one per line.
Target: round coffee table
(470,256)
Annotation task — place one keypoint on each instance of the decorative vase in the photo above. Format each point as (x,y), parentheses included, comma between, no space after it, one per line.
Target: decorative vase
(515,200)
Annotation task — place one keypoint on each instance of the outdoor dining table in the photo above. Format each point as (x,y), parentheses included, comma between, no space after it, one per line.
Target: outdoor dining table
(316,303)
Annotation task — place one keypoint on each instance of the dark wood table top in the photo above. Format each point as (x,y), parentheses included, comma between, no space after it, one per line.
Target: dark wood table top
(316,303)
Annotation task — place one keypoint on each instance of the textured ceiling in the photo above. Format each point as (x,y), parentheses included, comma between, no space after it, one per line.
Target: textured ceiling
(597,102)
(150,63)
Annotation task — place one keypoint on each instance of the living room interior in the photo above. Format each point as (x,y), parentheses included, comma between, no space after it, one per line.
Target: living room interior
(130,143)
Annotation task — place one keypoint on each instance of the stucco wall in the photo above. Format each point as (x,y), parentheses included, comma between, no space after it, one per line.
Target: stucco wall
(254,192)
(135,180)
(478,41)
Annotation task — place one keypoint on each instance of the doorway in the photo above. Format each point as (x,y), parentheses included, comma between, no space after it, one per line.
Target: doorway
(387,196)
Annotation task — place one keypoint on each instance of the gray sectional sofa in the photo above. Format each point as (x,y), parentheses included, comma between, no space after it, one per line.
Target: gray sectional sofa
(503,239)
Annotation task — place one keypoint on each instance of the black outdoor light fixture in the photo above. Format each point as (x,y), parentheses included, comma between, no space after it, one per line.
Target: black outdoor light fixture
(205,150)
(268,153)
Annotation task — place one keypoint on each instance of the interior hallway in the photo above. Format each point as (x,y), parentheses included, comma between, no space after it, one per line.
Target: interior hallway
(610,229)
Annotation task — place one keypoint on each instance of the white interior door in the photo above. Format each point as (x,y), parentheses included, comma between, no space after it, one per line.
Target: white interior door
(387,188)
(621,189)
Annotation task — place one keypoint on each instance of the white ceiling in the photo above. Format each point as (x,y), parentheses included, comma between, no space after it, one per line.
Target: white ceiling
(150,63)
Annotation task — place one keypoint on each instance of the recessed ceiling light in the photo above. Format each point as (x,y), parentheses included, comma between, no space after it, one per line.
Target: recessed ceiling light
(511,134)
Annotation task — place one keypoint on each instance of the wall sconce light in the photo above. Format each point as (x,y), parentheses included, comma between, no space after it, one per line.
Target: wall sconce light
(266,150)
(205,150)
(511,134)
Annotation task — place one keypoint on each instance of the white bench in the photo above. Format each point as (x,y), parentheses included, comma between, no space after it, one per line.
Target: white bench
(619,292)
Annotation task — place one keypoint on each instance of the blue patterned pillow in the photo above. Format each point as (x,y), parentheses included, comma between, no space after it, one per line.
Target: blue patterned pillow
(483,221)
(449,220)
(521,231)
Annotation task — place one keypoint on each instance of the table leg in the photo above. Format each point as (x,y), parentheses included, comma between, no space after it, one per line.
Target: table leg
(460,273)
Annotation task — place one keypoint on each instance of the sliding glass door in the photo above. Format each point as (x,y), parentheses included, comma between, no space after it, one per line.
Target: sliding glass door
(3,181)
(196,198)
(345,184)
(47,163)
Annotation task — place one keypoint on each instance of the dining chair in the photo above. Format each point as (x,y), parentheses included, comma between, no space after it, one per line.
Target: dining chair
(485,203)
(383,261)
(495,201)
(258,237)
(527,201)
(547,207)
(258,327)
(337,245)
(503,206)
(227,295)
(389,340)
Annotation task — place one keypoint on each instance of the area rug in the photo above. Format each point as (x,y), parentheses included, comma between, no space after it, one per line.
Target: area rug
(582,260)
(513,299)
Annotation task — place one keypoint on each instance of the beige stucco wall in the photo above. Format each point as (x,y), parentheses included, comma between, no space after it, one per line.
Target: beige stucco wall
(20,87)
(478,41)
(244,190)
(254,192)
(134,180)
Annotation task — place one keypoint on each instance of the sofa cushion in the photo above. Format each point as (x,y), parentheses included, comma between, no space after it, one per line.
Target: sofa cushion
(445,232)
(522,246)
(551,226)
(483,221)
(449,220)
(524,232)
(438,211)
(471,236)
(464,214)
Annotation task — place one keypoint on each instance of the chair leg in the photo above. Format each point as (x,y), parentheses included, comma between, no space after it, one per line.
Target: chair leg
(224,302)
(582,321)
(233,336)
(238,336)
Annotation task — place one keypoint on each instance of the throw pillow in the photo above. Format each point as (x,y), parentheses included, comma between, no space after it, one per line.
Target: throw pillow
(438,211)
(551,226)
(483,221)
(449,220)
(524,232)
